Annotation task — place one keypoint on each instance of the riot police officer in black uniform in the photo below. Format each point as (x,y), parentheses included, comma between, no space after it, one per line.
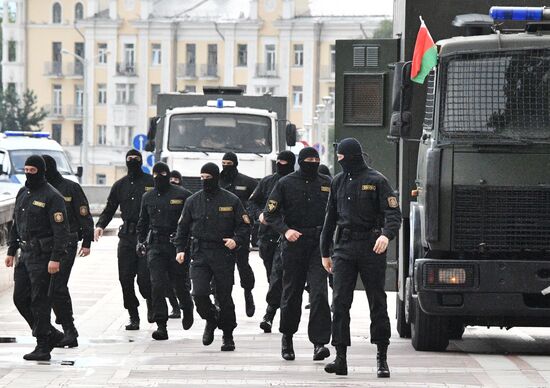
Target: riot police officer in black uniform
(364,212)
(158,220)
(296,209)
(127,193)
(268,238)
(40,229)
(242,186)
(215,224)
(81,227)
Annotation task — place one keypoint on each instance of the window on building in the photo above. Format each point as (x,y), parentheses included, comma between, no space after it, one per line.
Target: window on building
(123,135)
(77,134)
(56,58)
(156,54)
(190,51)
(212,60)
(261,90)
(57,100)
(102,53)
(56,132)
(79,100)
(12,51)
(101,134)
(332,58)
(155,90)
(100,179)
(299,55)
(129,55)
(12,12)
(125,94)
(270,58)
(242,54)
(101,94)
(78,11)
(297,96)
(56,13)
(79,66)
(190,89)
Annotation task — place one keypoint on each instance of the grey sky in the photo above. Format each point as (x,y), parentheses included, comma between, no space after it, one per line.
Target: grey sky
(352,7)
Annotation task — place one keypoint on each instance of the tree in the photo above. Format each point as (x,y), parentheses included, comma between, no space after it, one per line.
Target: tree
(20,114)
(384,29)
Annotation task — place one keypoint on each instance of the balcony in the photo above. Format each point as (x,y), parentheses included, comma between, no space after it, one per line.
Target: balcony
(327,72)
(126,69)
(209,71)
(55,112)
(75,70)
(187,71)
(266,70)
(53,69)
(74,112)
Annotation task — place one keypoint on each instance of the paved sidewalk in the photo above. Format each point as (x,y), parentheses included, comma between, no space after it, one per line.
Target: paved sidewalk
(109,356)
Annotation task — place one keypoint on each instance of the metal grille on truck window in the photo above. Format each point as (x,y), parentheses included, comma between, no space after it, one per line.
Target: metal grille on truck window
(192,184)
(501,96)
(364,99)
(430,103)
(372,56)
(359,56)
(504,219)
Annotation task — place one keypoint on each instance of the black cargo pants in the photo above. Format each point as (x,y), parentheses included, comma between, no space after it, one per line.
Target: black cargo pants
(131,266)
(302,262)
(245,271)
(352,258)
(213,261)
(267,249)
(61,300)
(30,292)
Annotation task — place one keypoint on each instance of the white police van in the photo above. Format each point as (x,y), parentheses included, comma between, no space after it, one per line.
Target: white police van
(17,146)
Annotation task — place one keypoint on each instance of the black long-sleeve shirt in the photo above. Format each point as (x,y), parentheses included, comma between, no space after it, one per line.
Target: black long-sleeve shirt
(213,217)
(258,201)
(126,193)
(78,210)
(241,185)
(360,201)
(297,202)
(161,211)
(38,214)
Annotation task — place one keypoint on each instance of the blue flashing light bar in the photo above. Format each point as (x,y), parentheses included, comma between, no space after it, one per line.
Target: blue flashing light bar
(518,13)
(27,134)
(219,103)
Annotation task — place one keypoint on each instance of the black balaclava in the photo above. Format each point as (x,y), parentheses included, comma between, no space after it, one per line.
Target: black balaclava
(323,169)
(52,175)
(230,172)
(285,169)
(162,182)
(134,166)
(353,155)
(35,181)
(176,174)
(211,185)
(309,169)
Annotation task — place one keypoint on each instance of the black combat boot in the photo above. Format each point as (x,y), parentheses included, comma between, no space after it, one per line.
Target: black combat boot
(70,337)
(208,335)
(41,352)
(133,324)
(287,349)
(320,352)
(176,312)
(267,321)
(150,312)
(55,337)
(249,301)
(382,361)
(228,344)
(187,320)
(339,366)
(161,333)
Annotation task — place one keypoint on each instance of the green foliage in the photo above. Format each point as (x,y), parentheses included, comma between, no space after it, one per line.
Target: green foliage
(20,113)
(384,29)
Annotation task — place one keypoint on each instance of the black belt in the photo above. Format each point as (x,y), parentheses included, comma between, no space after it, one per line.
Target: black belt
(312,231)
(128,228)
(159,237)
(208,244)
(350,234)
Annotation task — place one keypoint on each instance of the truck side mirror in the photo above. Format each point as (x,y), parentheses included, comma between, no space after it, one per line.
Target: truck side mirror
(290,134)
(151,134)
(79,171)
(401,118)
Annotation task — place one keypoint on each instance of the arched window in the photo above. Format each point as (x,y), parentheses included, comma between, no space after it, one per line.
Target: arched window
(78,11)
(56,13)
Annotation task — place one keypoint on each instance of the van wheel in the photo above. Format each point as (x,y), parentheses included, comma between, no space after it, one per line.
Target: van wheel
(456,328)
(403,328)
(428,332)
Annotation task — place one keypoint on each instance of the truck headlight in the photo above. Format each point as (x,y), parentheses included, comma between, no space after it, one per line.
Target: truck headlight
(448,276)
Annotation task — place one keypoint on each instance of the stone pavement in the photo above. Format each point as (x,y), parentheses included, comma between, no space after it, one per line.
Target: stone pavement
(109,356)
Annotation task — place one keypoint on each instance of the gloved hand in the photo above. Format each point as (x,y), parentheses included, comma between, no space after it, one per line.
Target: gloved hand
(141,249)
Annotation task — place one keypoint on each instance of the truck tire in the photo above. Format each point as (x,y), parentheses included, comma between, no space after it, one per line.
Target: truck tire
(428,332)
(403,328)
(456,328)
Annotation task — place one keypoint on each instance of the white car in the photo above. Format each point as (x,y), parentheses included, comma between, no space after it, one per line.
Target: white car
(16,147)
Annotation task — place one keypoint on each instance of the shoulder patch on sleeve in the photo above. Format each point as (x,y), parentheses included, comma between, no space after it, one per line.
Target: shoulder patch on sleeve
(83,210)
(392,202)
(246,219)
(272,205)
(58,217)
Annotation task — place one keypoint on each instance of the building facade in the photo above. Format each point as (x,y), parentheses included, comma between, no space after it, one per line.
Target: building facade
(97,65)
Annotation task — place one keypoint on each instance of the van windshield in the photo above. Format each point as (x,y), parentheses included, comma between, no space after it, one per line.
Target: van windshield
(18,158)
(205,132)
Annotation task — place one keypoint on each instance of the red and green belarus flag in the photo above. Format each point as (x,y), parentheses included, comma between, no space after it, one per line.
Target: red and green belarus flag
(424,56)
